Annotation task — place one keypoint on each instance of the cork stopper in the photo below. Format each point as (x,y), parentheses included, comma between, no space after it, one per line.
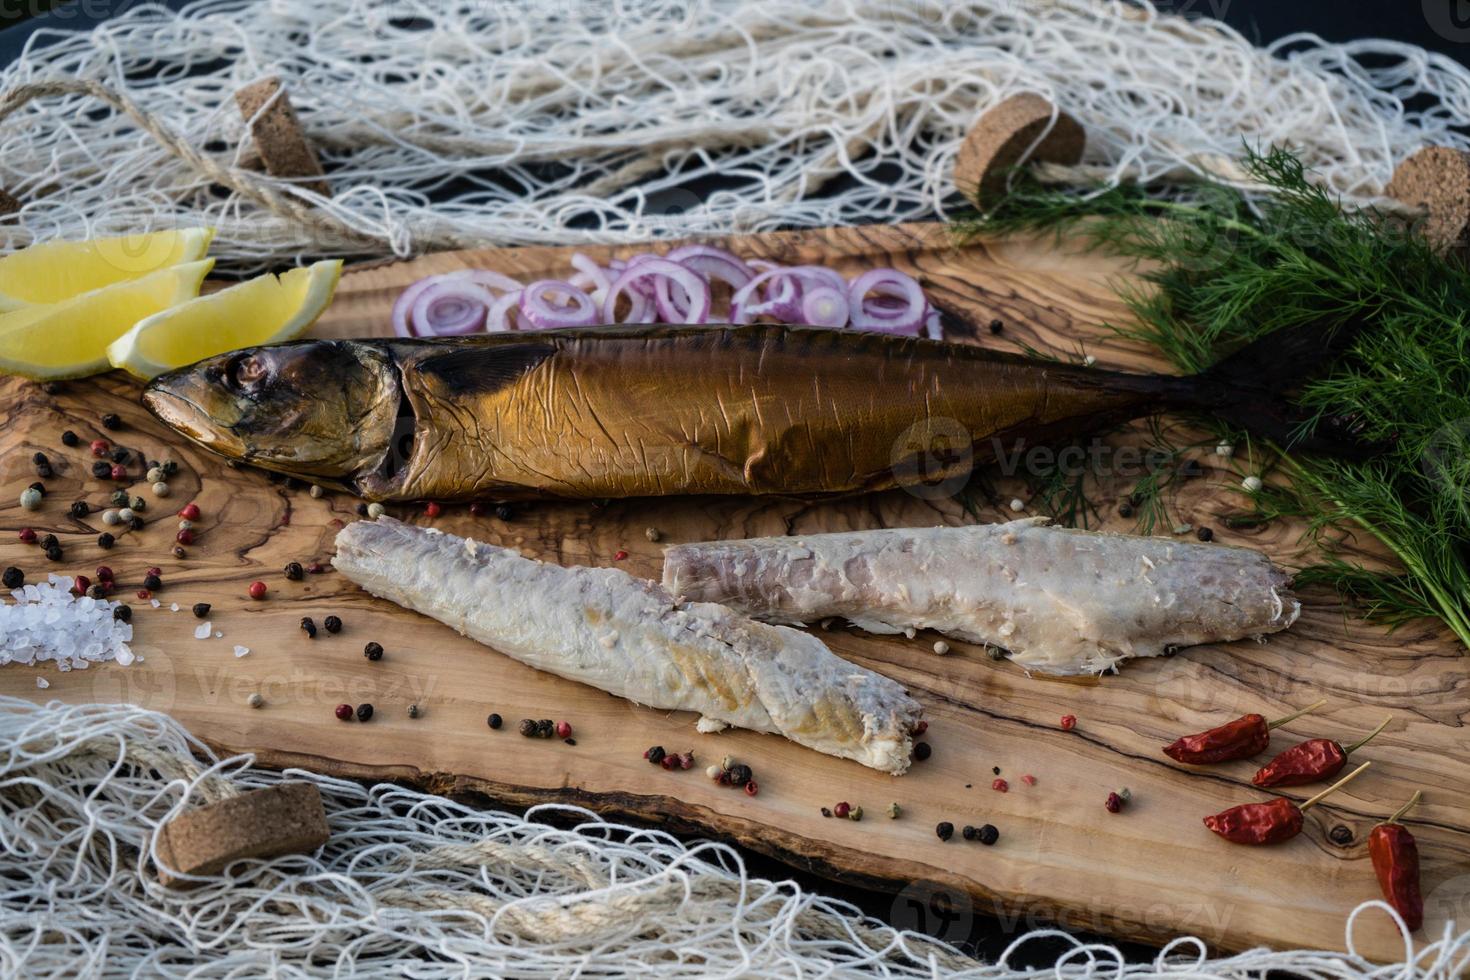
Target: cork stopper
(279,139)
(995,143)
(287,818)
(1437,180)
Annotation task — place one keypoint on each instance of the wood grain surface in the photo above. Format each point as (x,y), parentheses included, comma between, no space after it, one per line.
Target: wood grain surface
(1150,872)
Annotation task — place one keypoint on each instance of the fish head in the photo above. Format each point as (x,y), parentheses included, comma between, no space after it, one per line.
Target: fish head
(318,409)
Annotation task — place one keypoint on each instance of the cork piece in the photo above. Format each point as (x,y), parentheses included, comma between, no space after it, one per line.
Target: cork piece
(1437,179)
(995,143)
(278,135)
(284,819)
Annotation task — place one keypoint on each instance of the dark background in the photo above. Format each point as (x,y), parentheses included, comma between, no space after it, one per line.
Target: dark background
(1438,25)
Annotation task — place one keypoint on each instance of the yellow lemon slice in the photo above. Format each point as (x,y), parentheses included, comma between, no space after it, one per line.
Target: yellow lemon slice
(69,339)
(265,310)
(55,271)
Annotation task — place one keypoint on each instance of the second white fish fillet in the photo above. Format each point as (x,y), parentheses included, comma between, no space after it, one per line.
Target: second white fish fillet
(627,636)
(1060,600)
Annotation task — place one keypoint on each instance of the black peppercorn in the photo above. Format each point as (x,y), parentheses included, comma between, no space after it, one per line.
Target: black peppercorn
(49,541)
(152,583)
(80,509)
(39,488)
(294,571)
(1190,468)
(826,812)
(996,326)
(179,552)
(995,770)
(364,712)
(97,591)
(922,751)
(54,552)
(69,438)
(944,830)
(494,721)
(413,711)
(169,467)
(308,627)
(569,740)
(102,469)
(988,835)
(1125,510)
(200,610)
(504,512)
(655,755)
(1205,534)
(119,454)
(13,578)
(119,498)
(361,509)
(105,541)
(136,524)
(123,613)
(1342,834)
(332,624)
(373,651)
(545,728)
(111,421)
(39,458)
(527,727)
(969,833)
(740,774)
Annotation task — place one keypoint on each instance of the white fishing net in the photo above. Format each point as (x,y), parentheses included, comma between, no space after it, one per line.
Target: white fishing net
(416,885)
(494,122)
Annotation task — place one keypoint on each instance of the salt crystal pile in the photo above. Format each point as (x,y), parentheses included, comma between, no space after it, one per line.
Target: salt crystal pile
(48,623)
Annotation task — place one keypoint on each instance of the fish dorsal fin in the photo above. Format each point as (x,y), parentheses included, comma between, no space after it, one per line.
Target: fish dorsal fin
(482,369)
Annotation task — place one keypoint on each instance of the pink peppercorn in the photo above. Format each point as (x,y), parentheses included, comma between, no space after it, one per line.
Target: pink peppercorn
(185,536)
(343,712)
(190,512)
(563,729)
(668,761)
(144,594)
(80,584)
(257,590)
(27,536)
(153,570)
(100,448)
(477,509)
(620,555)
(1069,722)
(432,509)
(104,574)
(1000,786)
(119,472)
(751,788)
(1029,779)
(842,810)
(1114,803)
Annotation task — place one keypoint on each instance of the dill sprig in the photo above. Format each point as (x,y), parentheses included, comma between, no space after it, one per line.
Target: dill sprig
(1219,270)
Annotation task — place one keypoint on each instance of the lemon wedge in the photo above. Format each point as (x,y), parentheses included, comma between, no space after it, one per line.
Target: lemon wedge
(56,271)
(69,339)
(265,310)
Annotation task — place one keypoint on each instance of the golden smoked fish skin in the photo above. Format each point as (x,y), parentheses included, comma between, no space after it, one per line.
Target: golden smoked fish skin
(1061,600)
(635,411)
(627,636)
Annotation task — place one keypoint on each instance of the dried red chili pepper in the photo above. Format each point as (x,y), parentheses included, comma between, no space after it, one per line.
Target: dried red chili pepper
(1242,738)
(1312,761)
(1396,863)
(1273,821)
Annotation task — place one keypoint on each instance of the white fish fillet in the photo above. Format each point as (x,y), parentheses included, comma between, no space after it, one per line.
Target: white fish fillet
(1062,601)
(627,636)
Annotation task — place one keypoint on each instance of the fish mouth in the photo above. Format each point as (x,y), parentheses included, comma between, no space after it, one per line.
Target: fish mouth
(185,415)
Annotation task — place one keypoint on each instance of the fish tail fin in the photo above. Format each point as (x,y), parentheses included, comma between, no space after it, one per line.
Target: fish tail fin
(1252,389)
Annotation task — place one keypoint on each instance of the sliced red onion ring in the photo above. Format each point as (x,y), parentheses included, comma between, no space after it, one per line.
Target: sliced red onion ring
(403,307)
(712,263)
(489,279)
(933,329)
(824,307)
(650,269)
(498,319)
(550,304)
(595,275)
(450,307)
(908,319)
(781,299)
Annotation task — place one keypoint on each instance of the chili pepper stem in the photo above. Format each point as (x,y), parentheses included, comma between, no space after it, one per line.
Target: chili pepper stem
(1334,787)
(1350,749)
(1418,795)
(1296,714)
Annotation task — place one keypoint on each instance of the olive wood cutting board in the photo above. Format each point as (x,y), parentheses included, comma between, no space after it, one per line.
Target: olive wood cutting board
(1150,872)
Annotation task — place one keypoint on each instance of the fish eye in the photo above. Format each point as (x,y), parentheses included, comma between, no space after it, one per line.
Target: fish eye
(246,372)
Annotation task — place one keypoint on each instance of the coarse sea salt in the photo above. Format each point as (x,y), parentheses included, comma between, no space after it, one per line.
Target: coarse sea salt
(201,632)
(47,623)
(241,651)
